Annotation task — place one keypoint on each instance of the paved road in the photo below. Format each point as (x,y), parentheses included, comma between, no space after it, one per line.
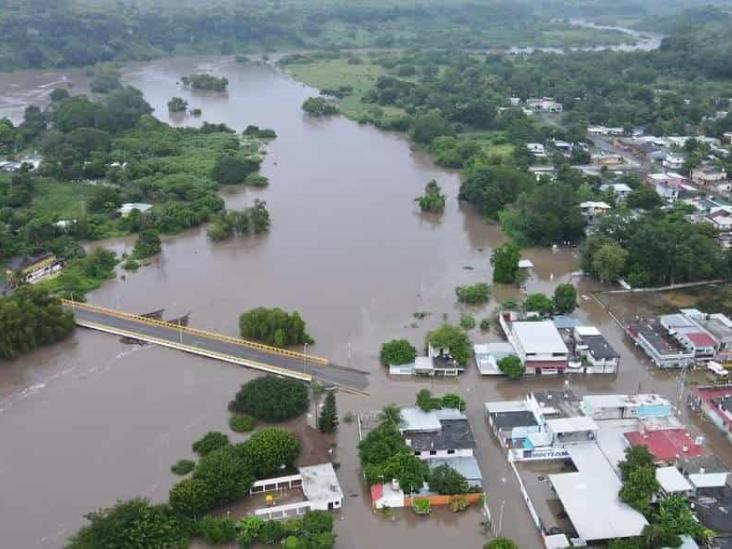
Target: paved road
(327,374)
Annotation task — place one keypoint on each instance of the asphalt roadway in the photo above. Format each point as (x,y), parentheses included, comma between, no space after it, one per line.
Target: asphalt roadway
(326,374)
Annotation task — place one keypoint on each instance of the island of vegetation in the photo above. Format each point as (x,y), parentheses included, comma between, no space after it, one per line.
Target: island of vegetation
(274,327)
(432,200)
(207,82)
(319,106)
(177,104)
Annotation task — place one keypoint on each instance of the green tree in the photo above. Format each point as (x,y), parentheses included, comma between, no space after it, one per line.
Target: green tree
(452,338)
(445,480)
(104,199)
(500,543)
(609,262)
(226,473)
(635,457)
(319,106)
(271,398)
(539,303)
(264,325)
(505,260)
(433,200)
(177,104)
(147,244)
(408,469)
(451,400)
(328,418)
(639,487)
(425,127)
(183,467)
(427,402)
(231,169)
(390,414)
(511,366)
(130,524)
(645,198)
(269,451)
(216,531)
(397,351)
(213,440)
(191,497)
(29,318)
(565,299)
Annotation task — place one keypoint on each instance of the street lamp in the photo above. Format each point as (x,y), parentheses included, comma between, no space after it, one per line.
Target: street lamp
(304,356)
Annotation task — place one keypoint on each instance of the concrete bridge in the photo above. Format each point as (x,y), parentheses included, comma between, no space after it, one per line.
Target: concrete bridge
(251,354)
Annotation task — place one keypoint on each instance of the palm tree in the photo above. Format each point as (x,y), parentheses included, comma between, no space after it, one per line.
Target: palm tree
(391,414)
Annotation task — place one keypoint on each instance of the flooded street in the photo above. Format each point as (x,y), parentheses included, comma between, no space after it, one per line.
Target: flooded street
(90,420)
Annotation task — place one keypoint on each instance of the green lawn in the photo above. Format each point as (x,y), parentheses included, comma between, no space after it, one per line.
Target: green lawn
(66,200)
(492,142)
(332,73)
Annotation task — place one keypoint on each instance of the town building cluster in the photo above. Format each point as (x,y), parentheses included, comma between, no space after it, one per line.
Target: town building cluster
(565,452)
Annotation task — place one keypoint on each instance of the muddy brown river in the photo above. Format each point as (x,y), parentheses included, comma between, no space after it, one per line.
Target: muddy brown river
(90,420)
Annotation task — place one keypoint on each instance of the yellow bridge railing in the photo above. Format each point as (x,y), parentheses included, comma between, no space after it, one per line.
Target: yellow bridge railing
(194,331)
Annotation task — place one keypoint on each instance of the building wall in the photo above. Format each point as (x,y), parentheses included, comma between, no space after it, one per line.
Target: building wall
(464,452)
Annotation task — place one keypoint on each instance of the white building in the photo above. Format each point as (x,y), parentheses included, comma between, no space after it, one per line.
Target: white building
(673,161)
(537,149)
(127,208)
(537,343)
(488,355)
(620,190)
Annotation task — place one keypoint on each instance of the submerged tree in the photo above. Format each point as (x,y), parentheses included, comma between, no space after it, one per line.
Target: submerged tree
(432,200)
(177,104)
(328,419)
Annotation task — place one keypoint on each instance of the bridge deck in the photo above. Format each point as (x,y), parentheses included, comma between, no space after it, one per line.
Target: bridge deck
(228,349)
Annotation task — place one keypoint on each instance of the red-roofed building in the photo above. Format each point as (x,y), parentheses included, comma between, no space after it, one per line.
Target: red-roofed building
(716,403)
(666,445)
(701,339)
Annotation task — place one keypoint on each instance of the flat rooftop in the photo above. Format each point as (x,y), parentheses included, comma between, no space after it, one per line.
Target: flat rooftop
(455,434)
(599,347)
(671,480)
(414,419)
(666,445)
(590,497)
(510,420)
(539,337)
(320,483)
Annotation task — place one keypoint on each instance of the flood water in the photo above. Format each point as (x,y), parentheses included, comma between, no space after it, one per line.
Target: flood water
(90,420)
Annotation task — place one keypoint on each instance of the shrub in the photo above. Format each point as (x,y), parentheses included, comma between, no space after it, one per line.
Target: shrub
(485,325)
(319,106)
(183,467)
(147,244)
(213,440)
(433,200)
(447,481)
(397,351)
(451,400)
(422,506)
(271,532)
(426,402)
(475,294)
(317,522)
(539,303)
(511,366)
(274,327)
(242,423)
(500,543)
(458,504)
(217,531)
(131,265)
(467,322)
(271,398)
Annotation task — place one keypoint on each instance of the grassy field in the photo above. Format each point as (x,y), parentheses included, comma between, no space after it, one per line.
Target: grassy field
(66,200)
(493,143)
(332,73)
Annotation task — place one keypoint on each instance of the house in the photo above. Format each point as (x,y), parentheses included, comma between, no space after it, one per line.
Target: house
(438,362)
(592,210)
(9,166)
(512,421)
(593,353)
(661,347)
(720,218)
(437,434)
(706,471)
(604,130)
(619,190)
(690,335)
(715,402)
(537,343)
(673,161)
(537,149)
(718,326)
(707,176)
(32,269)
(318,487)
(488,355)
(641,406)
(606,159)
(666,446)
(544,104)
(127,208)
(666,185)
(514,101)
(543,171)
(727,136)
(568,430)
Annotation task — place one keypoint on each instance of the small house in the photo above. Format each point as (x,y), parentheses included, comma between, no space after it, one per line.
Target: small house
(32,269)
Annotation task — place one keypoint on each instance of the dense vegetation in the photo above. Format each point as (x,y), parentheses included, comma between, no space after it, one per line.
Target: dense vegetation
(249,221)
(319,106)
(30,318)
(427,402)
(274,327)
(396,352)
(271,398)
(205,82)
(77,33)
(475,294)
(328,416)
(453,339)
(432,200)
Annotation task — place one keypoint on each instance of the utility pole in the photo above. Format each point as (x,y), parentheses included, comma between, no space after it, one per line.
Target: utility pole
(304,356)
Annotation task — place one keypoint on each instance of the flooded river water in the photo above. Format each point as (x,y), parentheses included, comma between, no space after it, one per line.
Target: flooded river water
(90,420)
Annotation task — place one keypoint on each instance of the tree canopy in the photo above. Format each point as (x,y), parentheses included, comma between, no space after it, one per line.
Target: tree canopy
(274,327)
(452,338)
(271,398)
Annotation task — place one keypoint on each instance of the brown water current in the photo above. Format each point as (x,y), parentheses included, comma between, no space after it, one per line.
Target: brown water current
(91,420)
